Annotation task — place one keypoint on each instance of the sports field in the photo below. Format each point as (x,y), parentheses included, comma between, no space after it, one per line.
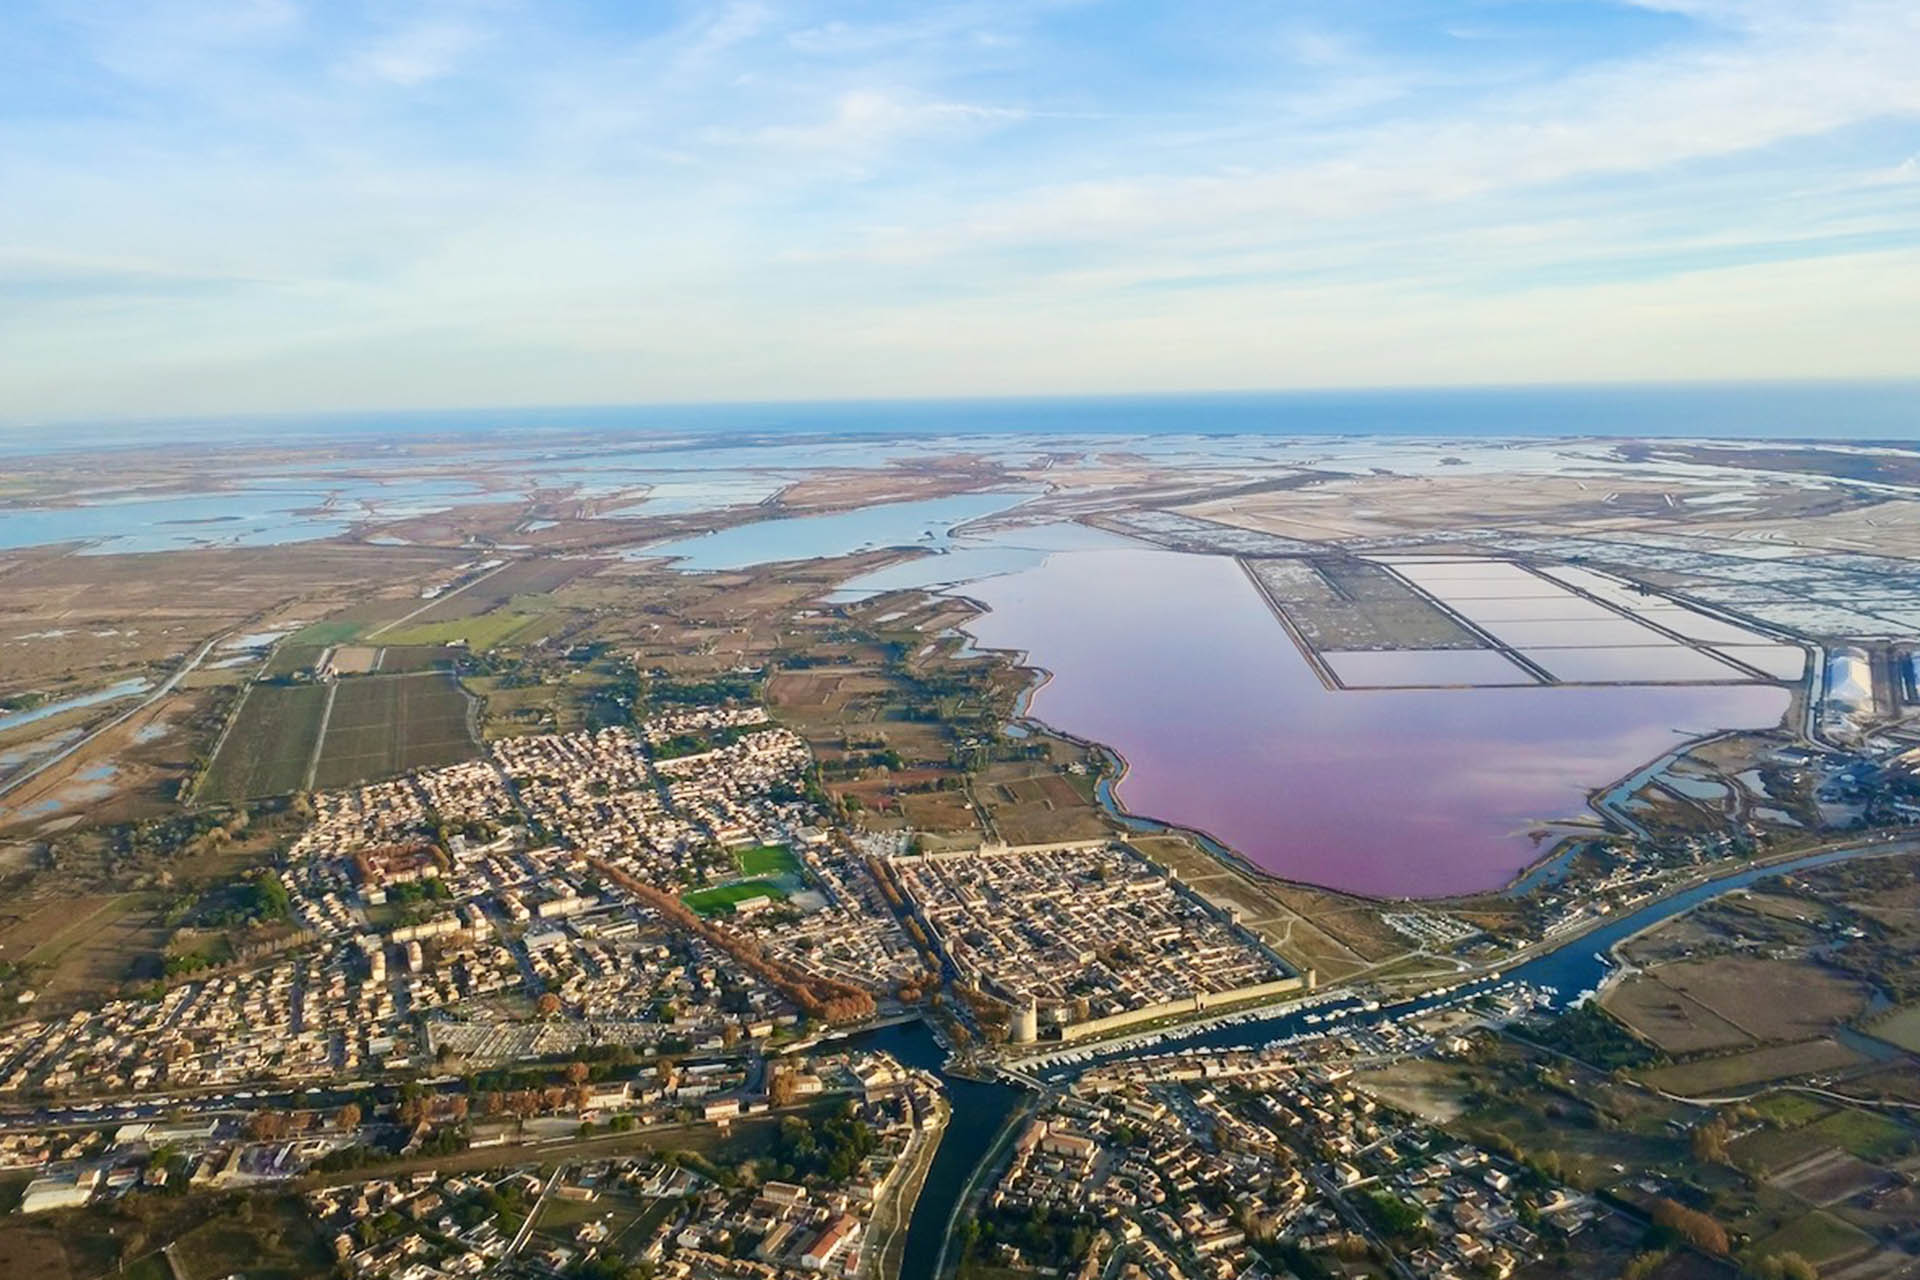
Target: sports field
(767,860)
(720,898)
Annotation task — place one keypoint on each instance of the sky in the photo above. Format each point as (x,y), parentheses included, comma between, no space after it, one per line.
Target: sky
(238,206)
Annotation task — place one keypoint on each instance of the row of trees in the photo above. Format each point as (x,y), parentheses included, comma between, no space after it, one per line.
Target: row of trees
(836,1003)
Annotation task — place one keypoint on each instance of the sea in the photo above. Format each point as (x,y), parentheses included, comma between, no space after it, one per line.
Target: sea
(1863,411)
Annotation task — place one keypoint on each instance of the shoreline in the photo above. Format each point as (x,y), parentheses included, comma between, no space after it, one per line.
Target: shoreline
(1107,795)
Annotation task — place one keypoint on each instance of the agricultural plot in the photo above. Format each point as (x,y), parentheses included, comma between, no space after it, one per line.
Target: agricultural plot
(486,631)
(1900,1028)
(1029,803)
(1867,1135)
(385,725)
(1819,1237)
(1739,1071)
(395,658)
(1829,1176)
(522,578)
(318,635)
(292,659)
(267,750)
(1729,1002)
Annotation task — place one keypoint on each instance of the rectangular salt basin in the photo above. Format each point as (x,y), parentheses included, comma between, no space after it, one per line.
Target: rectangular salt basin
(1672,664)
(1424,668)
(1562,608)
(1614,632)
(1601,587)
(1698,626)
(1781,661)
(1446,570)
(1224,727)
(1520,586)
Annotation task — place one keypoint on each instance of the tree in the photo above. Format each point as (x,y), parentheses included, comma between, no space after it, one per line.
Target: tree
(265,1126)
(781,1088)
(577,1073)
(1643,1265)
(1696,1228)
(1709,1142)
(1784,1266)
(548,1004)
(348,1117)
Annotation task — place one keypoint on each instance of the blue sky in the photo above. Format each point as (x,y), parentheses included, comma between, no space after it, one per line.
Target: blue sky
(260,205)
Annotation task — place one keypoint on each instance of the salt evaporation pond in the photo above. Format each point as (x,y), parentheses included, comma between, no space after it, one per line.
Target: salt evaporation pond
(1175,662)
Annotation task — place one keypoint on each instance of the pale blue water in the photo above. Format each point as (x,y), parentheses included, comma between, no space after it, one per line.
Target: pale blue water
(259,512)
(711,456)
(683,495)
(971,557)
(924,523)
(47,710)
(1875,410)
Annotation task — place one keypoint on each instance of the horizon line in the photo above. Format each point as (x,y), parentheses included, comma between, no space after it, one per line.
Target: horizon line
(1908,382)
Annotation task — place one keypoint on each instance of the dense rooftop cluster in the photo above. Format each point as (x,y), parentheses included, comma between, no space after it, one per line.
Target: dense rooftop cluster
(1088,931)
(1217,1166)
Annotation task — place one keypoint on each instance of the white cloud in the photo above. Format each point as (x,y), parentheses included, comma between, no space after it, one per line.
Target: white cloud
(416,54)
(751,199)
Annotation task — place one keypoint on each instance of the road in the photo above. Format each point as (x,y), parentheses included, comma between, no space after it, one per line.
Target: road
(165,687)
(1358,1221)
(526,1228)
(438,600)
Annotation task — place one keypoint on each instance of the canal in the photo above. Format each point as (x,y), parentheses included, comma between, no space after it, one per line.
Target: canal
(981,1110)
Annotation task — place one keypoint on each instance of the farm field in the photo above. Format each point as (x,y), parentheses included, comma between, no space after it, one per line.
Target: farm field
(1737,1071)
(1902,1028)
(267,751)
(485,631)
(383,725)
(396,658)
(521,578)
(356,659)
(1818,1237)
(1829,1176)
(293,658)
(319,635)
(1730,1002)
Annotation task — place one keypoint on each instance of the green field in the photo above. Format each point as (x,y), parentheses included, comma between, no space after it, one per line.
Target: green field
(292,659)
(721,898)
(1818,1237)
(1736,1071)
(1902,1028)
(767,860)
(396,658)
(267,750)
(1871,1137)
(1790,1109)
(484,632)
(272,1241)
(386,725)
(321,634)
